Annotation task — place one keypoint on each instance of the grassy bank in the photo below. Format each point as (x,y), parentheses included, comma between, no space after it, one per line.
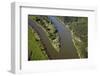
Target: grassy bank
(35,48)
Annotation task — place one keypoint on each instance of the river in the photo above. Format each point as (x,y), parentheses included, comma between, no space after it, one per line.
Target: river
(67,49)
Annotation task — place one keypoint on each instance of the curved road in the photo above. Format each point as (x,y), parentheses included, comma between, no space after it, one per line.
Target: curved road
(51,52)
(67,49)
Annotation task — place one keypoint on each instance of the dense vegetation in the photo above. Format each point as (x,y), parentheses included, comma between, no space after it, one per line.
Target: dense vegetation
(79,30)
